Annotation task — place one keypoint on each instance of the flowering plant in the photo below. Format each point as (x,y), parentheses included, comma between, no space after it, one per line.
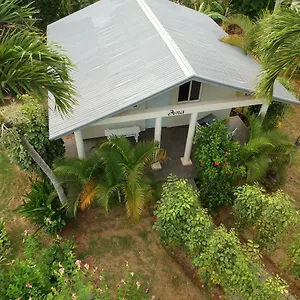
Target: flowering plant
(218,164)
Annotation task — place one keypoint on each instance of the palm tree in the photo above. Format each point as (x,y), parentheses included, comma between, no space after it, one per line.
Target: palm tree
(266,151)
(28,65)
(115,169)
(279,45)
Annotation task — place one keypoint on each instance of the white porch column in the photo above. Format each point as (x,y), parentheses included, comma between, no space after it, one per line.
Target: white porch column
(157,131)
(186,159)
(157,137)
(79,143)
(263,110)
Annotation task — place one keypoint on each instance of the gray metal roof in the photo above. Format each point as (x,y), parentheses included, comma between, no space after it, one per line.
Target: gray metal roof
(126,51)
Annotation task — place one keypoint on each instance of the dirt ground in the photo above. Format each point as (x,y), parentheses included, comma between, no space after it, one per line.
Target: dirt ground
(108,240)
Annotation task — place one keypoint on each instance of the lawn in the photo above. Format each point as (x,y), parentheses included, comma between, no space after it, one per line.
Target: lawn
(13,184)
(109,240)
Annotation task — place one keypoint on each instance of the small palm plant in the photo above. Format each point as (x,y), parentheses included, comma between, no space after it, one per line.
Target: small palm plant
(267,151)
(115,170)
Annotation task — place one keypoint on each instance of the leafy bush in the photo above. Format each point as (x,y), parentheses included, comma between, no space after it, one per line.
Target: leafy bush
(225,262)
(251,8)
(32,122)
(274,115)
(43,207)
(217,164)
(5,248)
(53,272)
(294,256)
(268,215)
(180,219)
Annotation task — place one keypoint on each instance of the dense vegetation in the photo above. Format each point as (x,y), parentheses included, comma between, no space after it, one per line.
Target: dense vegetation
(54,272)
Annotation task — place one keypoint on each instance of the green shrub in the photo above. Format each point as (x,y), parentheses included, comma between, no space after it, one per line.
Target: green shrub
(294,257)
(251,8)
(217,164)
(274,115)
(5,248)
(32,122)
(225,262)
(180,219)
(53,272)
(268,215)
(43,207)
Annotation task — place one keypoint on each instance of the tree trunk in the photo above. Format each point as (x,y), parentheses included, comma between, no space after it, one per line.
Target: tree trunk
(45,168)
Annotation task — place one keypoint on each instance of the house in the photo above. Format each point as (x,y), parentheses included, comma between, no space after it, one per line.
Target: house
(150,64)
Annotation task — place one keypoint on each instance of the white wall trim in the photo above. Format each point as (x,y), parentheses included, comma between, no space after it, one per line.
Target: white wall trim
(187,108)
(178,55)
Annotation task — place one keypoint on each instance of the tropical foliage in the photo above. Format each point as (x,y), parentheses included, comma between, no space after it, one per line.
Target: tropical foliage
(268,215)
(218,254)
(115,170)
(31,121)
(225,262)
(274,115)
(43,207)
(28,65)
(43,272)
(267,154)
(279,48)
(251,8)
(218,163)
(294,256)
(181,221)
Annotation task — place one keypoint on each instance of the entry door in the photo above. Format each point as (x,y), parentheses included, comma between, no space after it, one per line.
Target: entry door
(159,101)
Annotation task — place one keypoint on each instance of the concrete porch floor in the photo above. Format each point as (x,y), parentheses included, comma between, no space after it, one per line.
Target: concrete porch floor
(172,140)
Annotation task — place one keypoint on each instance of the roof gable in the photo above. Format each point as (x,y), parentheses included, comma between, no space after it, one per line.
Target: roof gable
(126,51)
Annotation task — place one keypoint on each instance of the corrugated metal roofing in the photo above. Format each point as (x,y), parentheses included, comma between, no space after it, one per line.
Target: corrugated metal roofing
(129,50)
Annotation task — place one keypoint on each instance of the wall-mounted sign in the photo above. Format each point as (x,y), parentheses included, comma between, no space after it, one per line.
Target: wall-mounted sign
(175,112)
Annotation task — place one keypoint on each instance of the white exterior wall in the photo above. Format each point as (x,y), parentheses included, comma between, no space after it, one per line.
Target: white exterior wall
(208,93)
(94,131)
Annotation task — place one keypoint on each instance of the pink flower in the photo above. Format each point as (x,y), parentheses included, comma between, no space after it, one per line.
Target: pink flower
(123,281)
(225,153)
(138,284)
(28,285)
(100,277)
(26,232)
(74,296)
(132,274)
(126,263)
(152,298)
(202,162)
(95,269)
(78,263)
(147,290)
(101,292)
(61,271)
(87,266)
(231,172)
(216,163)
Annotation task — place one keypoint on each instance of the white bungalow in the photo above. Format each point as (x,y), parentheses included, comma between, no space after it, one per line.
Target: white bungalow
(150,64)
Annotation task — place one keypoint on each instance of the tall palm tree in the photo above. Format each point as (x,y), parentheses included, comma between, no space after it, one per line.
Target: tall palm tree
(27,63)
(266,150)
(116,169)
(279,45)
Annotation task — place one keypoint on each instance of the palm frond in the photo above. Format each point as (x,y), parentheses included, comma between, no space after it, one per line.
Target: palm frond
(88,195)
(14,12)
(135,201)
(145,151)
(29,65)
(256,168)
(279,45)
(105,192)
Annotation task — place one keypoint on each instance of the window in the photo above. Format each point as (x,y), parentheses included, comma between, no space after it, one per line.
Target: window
(189,91)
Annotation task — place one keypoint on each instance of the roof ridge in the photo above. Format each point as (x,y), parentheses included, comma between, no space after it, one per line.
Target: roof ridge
(176,52)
